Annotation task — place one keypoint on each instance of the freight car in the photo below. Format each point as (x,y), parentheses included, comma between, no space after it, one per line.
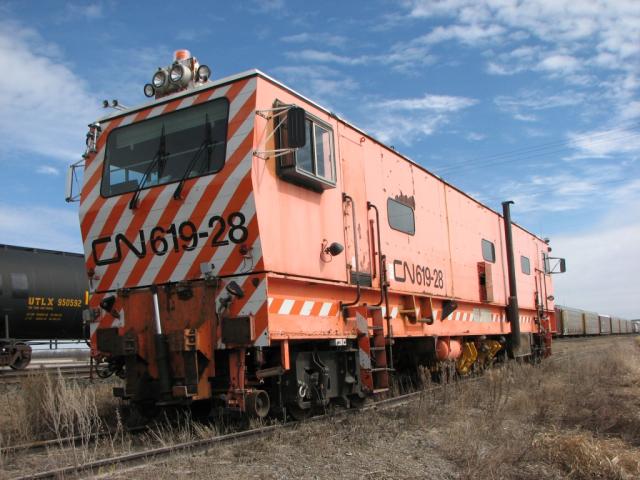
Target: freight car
(250,249)
(42,295)
(605,324)
(576,322)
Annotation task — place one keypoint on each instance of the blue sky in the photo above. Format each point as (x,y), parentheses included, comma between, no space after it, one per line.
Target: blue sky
(534,101)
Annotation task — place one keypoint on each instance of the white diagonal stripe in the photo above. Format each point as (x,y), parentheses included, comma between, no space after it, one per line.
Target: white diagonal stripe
(326,308)
(306,308)
(286,307)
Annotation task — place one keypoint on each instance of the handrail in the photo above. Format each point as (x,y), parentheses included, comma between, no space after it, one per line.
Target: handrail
(383,276)
(345,198)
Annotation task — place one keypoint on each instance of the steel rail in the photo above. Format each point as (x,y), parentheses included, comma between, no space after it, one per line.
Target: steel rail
(66,371)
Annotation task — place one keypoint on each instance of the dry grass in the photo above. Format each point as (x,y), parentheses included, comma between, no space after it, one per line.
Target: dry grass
(48,406)
(571,417)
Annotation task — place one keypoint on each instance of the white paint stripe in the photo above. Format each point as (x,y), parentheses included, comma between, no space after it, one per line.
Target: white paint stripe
(306,308)
(256,301)
(222,199)
(88,202)
(270,300)
(186,209)
(286,307)
(326,308)
(222,253)
(435,314)
(394,312)
(457,316)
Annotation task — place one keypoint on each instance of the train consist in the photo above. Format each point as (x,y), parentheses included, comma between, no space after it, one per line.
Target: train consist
(248,249)
(576,322)
(42,295)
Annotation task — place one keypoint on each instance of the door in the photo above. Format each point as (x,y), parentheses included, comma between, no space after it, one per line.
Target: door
(358,241)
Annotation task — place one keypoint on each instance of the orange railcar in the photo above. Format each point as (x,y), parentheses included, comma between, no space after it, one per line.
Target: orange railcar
(249,248)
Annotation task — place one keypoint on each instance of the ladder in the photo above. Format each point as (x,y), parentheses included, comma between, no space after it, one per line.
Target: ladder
(375,349)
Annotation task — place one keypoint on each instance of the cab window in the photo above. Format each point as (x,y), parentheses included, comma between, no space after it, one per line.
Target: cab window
(313,165)
(189,142)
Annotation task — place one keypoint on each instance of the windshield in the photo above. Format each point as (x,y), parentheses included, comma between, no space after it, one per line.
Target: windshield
(133,148)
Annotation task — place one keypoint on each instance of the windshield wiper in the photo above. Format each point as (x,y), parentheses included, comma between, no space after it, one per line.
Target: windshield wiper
(160,154)
(206,144)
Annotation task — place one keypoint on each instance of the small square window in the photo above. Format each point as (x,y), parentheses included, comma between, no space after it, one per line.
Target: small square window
(313,165)
(400,217)
(525,265)
(488,251)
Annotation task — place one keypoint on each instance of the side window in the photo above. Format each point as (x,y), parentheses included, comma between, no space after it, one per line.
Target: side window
(400,217)
(488,251)
(525,265)
(19,285)
(313,165)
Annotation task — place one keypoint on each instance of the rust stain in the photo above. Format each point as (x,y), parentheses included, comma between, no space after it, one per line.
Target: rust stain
(407,200)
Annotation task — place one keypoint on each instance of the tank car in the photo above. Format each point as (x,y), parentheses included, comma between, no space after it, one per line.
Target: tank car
(250,249)
(42,295)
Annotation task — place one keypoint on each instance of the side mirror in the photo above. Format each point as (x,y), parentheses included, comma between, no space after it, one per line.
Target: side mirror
(296,125)
(68,187)
(554,265)
(70,180)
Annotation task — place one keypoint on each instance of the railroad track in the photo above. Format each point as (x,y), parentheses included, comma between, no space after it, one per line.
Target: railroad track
(129,460)
(110,465)
(14,377)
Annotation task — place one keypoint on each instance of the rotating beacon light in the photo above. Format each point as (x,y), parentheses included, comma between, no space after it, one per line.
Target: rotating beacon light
(185,72)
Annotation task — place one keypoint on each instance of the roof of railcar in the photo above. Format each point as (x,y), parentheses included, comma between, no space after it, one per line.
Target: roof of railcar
(17,248)
(259,73)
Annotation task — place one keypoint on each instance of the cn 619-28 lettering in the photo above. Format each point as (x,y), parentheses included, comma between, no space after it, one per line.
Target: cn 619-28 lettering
(248,249)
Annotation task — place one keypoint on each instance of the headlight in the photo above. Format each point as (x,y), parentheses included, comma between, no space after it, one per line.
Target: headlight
(149,91)
(159,79)
(204,73)
(180,74)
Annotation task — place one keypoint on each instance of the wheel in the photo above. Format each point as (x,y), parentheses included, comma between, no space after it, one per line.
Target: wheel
(22,357)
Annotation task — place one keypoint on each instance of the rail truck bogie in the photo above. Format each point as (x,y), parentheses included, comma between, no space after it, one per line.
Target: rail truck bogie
(250,248)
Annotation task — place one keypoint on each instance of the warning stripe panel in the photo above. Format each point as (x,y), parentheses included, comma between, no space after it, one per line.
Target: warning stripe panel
(103,217)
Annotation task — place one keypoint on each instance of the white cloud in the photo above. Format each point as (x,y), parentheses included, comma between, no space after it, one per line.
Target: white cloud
(521,105)
(404,120)
(47,170)
(40,226)
(319,82)
(468,34)
(269,5)
(435,103)
(44,106)
(602,268)
(90,11)
(559,63)
(604,143)
(321,56)
(475,136)
(316,37)
(569,35)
